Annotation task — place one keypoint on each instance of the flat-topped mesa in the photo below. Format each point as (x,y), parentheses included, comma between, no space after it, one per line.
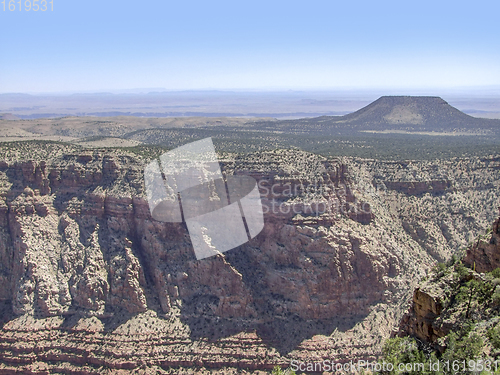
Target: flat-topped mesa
(412,112)
(396,113)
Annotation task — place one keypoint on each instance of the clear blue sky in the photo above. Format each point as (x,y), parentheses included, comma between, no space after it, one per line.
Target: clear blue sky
(112,45)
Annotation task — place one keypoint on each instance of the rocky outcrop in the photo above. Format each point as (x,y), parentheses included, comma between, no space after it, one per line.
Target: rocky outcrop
(484,254)
(421,320)
(435,309)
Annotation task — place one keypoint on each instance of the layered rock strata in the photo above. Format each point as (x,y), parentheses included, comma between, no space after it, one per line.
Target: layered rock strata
(94,284)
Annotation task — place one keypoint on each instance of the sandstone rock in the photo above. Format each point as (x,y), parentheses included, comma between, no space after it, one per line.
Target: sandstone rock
(329,275)
(484,255)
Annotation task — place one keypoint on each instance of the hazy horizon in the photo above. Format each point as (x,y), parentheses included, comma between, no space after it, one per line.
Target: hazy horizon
(227,103)
(338,91)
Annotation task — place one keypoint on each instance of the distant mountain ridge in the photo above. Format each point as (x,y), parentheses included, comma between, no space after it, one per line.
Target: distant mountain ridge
(8,116)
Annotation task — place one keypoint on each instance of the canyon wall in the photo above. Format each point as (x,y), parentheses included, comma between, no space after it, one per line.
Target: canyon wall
(92,283)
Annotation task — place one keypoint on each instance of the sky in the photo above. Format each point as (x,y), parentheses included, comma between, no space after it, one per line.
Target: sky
(91,45)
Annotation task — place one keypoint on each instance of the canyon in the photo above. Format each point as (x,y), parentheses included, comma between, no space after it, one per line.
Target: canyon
(92,284)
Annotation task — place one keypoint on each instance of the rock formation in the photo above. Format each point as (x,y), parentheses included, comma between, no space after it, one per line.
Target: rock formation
(403,113)
(435,309)
(92,283)
(484,255)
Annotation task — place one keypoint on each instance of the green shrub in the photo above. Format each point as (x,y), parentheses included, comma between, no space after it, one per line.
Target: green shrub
(278,371)
(493,335)
(453,260)
(461,270)
(496,296)
(402,350)
(463,349)
(440,269)
(495,273)
(475,293)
